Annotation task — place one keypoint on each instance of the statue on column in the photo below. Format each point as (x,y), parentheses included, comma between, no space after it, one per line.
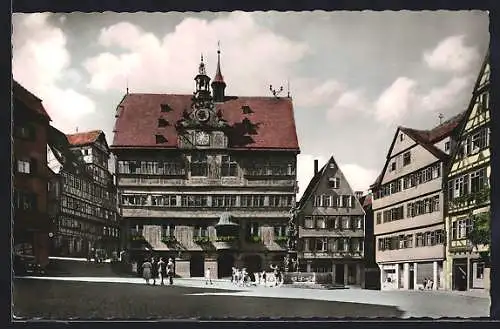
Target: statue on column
(292,231)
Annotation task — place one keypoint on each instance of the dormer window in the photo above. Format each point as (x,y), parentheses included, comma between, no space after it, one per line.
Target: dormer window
(162,122)
(332,165)
(334,182)
(246,109)
(160,139)
(165,108)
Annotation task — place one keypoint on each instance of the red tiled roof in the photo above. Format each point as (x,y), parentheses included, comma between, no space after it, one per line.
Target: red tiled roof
(29,99)
(270,126)
(83,138)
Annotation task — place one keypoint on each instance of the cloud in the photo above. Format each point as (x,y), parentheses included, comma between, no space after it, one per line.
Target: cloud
(348,103)
(40,61)
(249,63)
(446,96)
(396,100)
(359,178)
(308,92)
(451,54)
(305,170)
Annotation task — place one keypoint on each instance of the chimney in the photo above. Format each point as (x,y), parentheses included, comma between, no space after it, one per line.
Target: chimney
(315,167)
(358,194)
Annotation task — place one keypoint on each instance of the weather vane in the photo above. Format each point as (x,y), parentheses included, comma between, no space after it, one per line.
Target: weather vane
(275,92)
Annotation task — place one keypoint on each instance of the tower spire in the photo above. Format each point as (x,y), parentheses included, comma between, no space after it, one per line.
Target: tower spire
(218,84)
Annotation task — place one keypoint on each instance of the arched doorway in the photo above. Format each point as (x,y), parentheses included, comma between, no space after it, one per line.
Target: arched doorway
(225,263)
(196,265)
(253,263)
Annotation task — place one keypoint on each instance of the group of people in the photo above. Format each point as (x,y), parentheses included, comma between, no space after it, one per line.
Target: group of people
(428,284)
(158,269)
(267,279)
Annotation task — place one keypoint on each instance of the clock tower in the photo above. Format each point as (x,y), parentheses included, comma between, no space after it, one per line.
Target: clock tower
(202,125)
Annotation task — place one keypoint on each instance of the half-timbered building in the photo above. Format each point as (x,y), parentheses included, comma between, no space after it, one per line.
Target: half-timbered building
(468,196)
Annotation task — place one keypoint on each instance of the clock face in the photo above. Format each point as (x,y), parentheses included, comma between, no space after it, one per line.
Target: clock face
(202,115)
(202,138)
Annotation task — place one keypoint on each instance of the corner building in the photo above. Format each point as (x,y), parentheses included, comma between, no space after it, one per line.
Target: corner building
(408,207)
(206,179)
(468,191)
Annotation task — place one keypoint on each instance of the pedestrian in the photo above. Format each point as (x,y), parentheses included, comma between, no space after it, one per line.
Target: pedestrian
(170,271)
(154,270)
(208,277)
(89,255)
(146,270)
(162,269)
(264,277)
(233,274)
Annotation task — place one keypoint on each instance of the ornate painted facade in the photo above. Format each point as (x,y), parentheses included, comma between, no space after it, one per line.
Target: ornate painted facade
(468,192)
(206,179)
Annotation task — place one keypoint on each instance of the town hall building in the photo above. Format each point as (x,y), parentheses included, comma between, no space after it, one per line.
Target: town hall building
(205,178)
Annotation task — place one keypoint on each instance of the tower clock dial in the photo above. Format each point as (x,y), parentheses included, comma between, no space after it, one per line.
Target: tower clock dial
(202,138)
(202,115)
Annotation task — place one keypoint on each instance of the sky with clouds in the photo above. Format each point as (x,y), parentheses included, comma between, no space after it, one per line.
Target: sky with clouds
(354,76)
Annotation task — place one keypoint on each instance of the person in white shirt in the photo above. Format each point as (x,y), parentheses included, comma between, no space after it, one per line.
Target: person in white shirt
(208,277)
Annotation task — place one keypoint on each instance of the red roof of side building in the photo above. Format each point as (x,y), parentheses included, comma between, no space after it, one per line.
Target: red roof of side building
(83,138)
(29,99)
(271,120)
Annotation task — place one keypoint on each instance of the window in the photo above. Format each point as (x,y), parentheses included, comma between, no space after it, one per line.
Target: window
(346,221)
(199,166)
(317,201)
(253,229)
(307,244)
(477,180)
(478,141)
(321,244)
(167,230)
(320,222)
(483,102)
(359,222)
(334,182)
(23,166)
(447,146)
(393,166)
(25,200)
(379,217)
(25,132)
(419,240)
(479,270)
(308,222)
(326,201)
(280,231)
(406,158)
(229,166)
(200,231)
(401,137)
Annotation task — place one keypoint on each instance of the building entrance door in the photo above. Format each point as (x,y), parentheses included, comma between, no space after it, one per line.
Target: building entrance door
(459,276)
(411,284)
(339,273)
(196,265)
(225,263)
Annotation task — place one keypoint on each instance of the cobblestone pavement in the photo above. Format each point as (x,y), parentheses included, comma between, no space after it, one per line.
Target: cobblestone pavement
(434,304)
(78,300)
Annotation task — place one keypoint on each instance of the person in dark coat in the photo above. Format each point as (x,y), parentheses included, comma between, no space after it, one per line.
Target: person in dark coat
(154,270)
(162,268)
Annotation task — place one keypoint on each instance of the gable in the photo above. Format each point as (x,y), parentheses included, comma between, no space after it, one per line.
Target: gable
(323,186)
(402,142)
